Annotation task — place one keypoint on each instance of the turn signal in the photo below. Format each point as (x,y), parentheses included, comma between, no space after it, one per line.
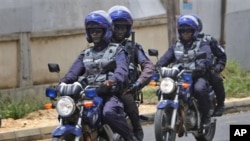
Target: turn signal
(153,83)
(48,106)
(185,85)
(88,103)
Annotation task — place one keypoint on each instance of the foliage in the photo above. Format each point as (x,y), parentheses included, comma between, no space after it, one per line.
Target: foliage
(12,108)
(236,80)
(149,94)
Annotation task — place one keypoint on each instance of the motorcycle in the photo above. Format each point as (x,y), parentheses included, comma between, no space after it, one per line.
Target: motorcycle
(79,107)
(177,108)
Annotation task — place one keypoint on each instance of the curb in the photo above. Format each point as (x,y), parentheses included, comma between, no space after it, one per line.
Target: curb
(231,106)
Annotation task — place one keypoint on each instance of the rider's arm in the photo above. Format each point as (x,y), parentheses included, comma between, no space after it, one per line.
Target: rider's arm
(147,66)
(207,62)
(220,53)
(167,58)
(75,70)
(121,71)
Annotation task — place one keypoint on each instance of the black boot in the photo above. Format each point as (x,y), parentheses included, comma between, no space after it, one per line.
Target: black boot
(205,121)
(133,138)
(219,109)
(139,134)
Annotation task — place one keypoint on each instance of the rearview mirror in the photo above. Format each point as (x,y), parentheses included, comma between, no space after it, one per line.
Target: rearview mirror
(54,67)
(152,52)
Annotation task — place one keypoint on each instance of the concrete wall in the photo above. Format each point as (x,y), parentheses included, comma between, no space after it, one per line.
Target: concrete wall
(50,15)
(236,27)
(208,10)
(60,47)
(35,33)
(238,32)
(9,64)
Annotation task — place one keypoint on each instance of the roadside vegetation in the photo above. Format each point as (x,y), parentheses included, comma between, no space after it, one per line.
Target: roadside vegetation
(237,85)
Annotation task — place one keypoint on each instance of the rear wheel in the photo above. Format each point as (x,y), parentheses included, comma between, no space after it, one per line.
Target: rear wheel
(208,133)
(69,137)
(162,123)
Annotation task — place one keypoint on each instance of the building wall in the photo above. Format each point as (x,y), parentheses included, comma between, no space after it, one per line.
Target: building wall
(9,64)
(208,10)
(236,27)
(61,47)
(238,32)
(50,15)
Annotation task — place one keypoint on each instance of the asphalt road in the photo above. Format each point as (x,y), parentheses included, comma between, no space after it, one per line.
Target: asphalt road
(222,129)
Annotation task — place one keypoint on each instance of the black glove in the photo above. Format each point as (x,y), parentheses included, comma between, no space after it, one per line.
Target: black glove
(199,72)
(136,86)
(218,68)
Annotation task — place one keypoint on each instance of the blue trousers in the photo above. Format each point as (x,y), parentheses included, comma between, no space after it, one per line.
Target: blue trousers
(114,116)
(201,90)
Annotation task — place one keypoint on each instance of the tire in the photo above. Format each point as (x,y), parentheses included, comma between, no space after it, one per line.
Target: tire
(56,139)
(208,134)
(162,121)
(66,138)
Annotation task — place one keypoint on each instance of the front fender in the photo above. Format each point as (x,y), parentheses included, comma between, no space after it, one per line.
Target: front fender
(167,103)
(66,129)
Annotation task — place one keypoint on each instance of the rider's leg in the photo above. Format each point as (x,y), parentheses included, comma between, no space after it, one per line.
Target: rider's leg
(132,111)
(113,115)
(201,91)
(217,84)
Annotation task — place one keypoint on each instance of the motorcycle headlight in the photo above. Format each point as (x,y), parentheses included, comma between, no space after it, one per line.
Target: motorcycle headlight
(167,85)
(65,106)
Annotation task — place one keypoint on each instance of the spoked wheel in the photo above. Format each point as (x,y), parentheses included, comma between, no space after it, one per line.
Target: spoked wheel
(162,125)
(208,134)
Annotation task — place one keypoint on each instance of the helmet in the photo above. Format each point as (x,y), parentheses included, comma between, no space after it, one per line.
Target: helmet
(190,21)
(121,15)
(200,25)
(99,19)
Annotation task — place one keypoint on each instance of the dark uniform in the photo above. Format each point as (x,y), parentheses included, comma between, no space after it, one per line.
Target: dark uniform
(216,81)
(123,21)
(147,70)
(89,63)
(201,85)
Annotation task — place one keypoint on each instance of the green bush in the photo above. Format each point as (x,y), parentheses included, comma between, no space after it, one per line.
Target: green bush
(237,81)
(12,108)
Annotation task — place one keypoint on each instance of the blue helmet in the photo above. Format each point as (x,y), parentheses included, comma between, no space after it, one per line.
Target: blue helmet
(121,15)
(99,19)
(190,21)
(200,25)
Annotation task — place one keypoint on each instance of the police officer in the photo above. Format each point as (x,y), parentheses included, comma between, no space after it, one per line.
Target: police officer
(188,32)
(123,21)
(98,26)
(219,64)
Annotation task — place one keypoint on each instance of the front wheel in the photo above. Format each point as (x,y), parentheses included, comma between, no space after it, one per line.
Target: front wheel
(162,124)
